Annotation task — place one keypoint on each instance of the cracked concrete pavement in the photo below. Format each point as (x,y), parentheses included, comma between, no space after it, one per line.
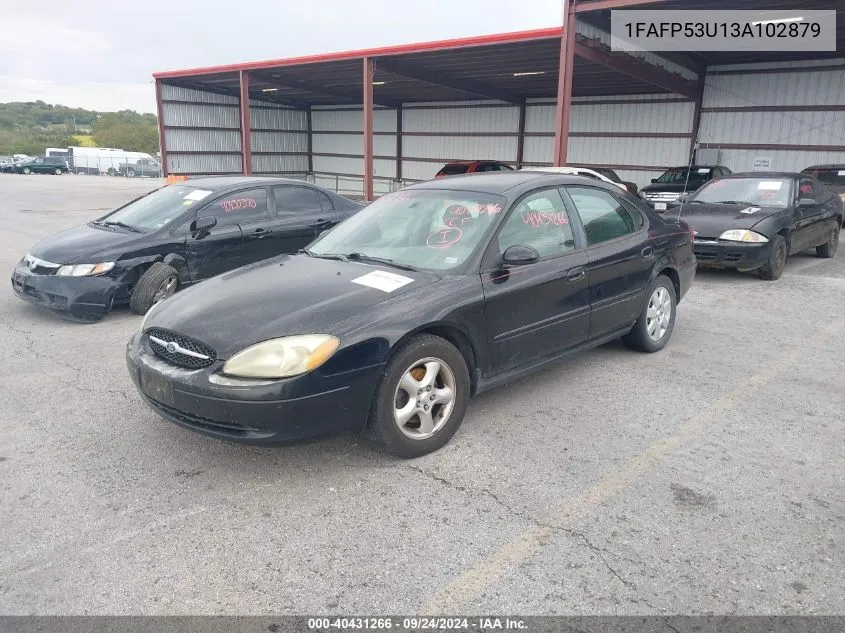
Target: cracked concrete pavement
(706,479)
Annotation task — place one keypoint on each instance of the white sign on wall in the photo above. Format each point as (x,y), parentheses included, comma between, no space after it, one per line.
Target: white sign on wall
(762,163)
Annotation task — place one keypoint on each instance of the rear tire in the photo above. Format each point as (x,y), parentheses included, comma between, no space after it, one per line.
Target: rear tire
(27,170)
(130,172)
(158,282)
(653,329)
(112,171)
(57,171)
(773,268)
(421,398)
(829,248)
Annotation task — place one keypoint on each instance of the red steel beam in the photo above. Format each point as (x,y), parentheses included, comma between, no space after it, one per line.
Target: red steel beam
(623,63)
(368,127)
(596,5)
(246,144)
(162,147)
(564,85)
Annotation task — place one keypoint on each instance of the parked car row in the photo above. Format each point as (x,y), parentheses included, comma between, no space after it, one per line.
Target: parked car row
(318,315)
(40,165)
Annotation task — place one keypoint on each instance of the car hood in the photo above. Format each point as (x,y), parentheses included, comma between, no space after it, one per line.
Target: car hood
(711,220)
(286,295)
(672,187)
(82,243)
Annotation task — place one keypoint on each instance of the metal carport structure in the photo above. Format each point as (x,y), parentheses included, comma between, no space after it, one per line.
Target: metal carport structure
(386,116)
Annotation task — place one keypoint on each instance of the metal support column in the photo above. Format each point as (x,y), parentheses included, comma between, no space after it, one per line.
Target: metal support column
(309,126)
(162,147)
(246,144)
(520,138)
(399,143)
(368,128)
(696,117)
(564,84)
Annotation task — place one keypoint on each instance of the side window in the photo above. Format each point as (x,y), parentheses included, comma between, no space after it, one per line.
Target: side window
(240,207)
(293,200)
(603,216)
(639,218)
(540,221)
(503,167)
(806,189)
(325,201)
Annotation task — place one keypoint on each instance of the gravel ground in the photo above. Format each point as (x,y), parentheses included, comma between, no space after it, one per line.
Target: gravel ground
(706,479)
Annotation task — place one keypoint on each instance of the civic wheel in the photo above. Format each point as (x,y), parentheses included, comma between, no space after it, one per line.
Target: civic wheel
(57,171)
(160,281)
(773,268)
(422,397)
(656,322)
(829,248)
(425,398)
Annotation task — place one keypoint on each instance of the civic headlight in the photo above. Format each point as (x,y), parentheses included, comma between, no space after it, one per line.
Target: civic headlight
(282,357)
(84,270)
(743,235)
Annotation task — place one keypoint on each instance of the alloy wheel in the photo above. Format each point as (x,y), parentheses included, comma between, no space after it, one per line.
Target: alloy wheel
(166,289)
(424,398)
(658,313)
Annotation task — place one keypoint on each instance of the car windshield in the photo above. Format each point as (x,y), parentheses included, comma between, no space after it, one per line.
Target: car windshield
(424,228)
(768,192)
(454,169)
(156,209)
(680,175)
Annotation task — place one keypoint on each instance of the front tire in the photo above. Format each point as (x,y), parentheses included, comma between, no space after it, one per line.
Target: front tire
(130,172)
(158,282)
(57,171)
(653,329)
(829,248)
(773,268)
(27,170)
(421,399)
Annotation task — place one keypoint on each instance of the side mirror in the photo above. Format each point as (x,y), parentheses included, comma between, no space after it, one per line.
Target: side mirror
(654,181)
(803,203)
(204,224)
(684,197)
(518,255)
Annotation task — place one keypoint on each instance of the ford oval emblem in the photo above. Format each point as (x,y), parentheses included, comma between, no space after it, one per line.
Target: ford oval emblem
(171,348)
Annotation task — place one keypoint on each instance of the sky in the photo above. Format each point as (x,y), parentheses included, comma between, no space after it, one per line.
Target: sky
(101,55)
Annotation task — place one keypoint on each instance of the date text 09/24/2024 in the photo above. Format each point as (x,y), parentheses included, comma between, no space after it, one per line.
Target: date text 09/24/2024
(476,623)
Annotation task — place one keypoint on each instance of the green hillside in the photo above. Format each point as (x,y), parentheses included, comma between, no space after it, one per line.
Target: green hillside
(31,127)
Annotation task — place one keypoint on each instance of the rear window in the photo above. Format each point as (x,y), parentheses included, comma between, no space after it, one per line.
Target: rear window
(453,170)
(833,176)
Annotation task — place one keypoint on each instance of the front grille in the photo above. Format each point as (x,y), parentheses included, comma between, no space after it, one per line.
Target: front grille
(39,266)
(229,428)
(188,353)
(663,196)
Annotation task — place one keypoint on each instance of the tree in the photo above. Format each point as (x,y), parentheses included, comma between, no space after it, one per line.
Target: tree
(133,137)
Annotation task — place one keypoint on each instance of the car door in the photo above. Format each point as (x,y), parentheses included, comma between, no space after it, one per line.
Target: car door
(620,256)
(217,249)
(37,166)
(249,208)
(542,308)
(809,226)
(300,214)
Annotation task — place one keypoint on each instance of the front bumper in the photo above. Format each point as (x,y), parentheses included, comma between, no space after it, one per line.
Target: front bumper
(74,298)
(252,411)
(723,254)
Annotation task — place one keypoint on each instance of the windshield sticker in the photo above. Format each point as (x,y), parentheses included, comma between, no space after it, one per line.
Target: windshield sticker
(544,218)
(771,185)
(238,203)
(187,203)
(383,280)
(704,171)
(444,238)
(750,210)
(197,194)
(450,260)
(841,172)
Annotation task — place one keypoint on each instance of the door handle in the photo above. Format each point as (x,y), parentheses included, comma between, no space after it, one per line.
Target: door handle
(322,224)
(647,252)
(575,274)
(260,233)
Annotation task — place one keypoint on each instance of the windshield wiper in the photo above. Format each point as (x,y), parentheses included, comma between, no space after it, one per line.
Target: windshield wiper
(122,225)
(337,256)
(361,257)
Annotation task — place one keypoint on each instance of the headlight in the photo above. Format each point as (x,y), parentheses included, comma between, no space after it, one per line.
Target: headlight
(84,270)
(282,357)
(743,235)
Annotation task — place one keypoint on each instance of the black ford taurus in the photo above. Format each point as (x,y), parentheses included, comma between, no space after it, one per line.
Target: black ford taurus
(754,221)
(393,319)
(173,237)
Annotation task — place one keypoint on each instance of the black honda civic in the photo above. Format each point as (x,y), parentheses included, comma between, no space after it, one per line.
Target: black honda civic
(393,319)
(754,221)
(173,237)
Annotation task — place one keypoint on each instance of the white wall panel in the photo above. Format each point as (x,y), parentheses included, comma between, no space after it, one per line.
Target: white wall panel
(278,142)
(540,118)
(738,160)
(460,147)
(353,144)
(340,165)
(190,140)
(200,115)
(351,120)
(204,164)
(277,119)
(275,163)
(418,170)
(177,93)
(641,117)
(791,128)
(766,89)
(458,120)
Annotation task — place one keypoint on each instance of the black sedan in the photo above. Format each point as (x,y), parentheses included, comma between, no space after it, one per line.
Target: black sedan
(173,237)
(393,319)
(754,221)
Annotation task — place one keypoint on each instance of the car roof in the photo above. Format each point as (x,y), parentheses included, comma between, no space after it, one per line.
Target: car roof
(765,174)
(499,182)
(834,166)
(693,167)
(217,183)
